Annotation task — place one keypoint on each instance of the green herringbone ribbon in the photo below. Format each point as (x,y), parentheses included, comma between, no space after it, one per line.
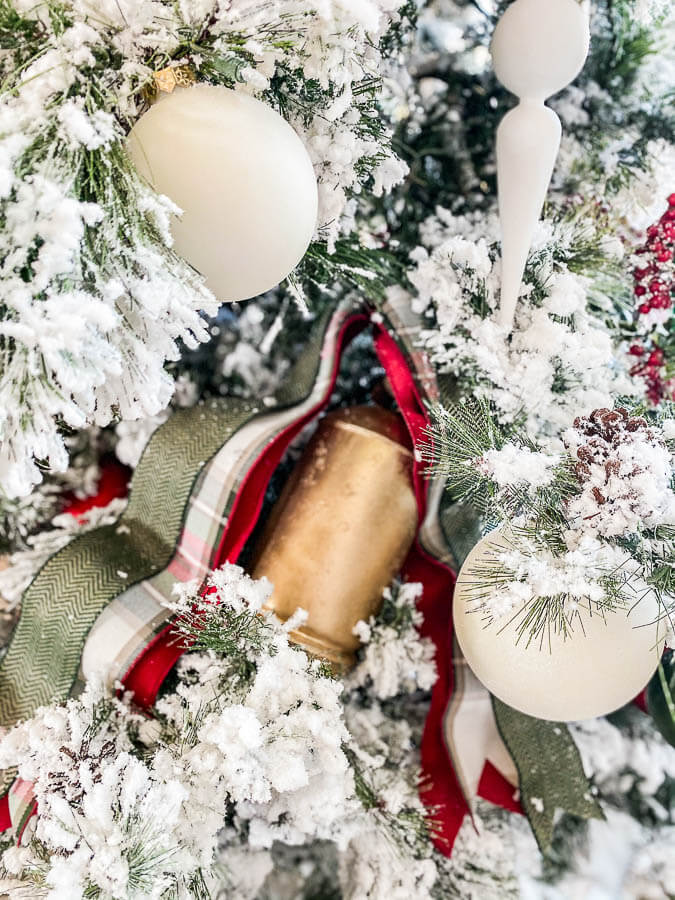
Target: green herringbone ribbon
(74,586)
(550,772)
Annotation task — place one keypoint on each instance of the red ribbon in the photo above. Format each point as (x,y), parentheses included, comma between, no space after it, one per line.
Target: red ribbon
(113,483)
(440,790)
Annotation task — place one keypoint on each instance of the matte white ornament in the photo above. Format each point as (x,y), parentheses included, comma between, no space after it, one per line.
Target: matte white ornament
(243,179)
(538,48)
(601,666)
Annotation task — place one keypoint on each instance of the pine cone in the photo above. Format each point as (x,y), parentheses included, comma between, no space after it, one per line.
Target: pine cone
(623,467)
(606,430)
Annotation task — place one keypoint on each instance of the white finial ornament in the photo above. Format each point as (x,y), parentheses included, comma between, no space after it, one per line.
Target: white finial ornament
(538,48)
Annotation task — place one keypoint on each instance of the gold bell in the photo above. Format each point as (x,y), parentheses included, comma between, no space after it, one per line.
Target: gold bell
(341,529)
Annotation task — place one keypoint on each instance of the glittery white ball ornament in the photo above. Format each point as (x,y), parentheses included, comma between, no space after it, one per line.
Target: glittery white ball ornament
(243,179)
(602,665)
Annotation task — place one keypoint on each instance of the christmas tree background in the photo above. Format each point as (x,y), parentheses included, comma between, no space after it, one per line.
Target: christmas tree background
(105,331)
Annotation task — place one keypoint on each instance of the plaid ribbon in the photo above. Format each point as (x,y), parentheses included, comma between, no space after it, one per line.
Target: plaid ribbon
(17,806)
(129,623)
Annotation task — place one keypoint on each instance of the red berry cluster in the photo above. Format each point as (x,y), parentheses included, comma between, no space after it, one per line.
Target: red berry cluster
(654,289)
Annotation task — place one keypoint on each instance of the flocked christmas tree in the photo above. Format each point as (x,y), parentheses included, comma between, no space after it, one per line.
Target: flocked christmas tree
(259,772)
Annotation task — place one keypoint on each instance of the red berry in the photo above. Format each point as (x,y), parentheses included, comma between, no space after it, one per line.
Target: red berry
(671,200)
(653,231)
(655,358)
(639,274)
(656,286)
(670,215)
(644,308)
(665,256)
(636,350)
(639,290)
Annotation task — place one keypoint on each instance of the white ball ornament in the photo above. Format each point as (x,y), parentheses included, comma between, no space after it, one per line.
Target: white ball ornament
(602,665)
(243,179)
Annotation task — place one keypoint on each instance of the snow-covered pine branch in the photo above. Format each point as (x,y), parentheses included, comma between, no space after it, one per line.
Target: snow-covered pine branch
(94,301)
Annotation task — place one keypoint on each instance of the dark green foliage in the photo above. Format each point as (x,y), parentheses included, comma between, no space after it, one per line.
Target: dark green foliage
(350,266)
(400,33)
(398,616)
(459,436)
(661,697)
(236,636)
(623,46)
(18,34)
(409,827)
(570,838)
